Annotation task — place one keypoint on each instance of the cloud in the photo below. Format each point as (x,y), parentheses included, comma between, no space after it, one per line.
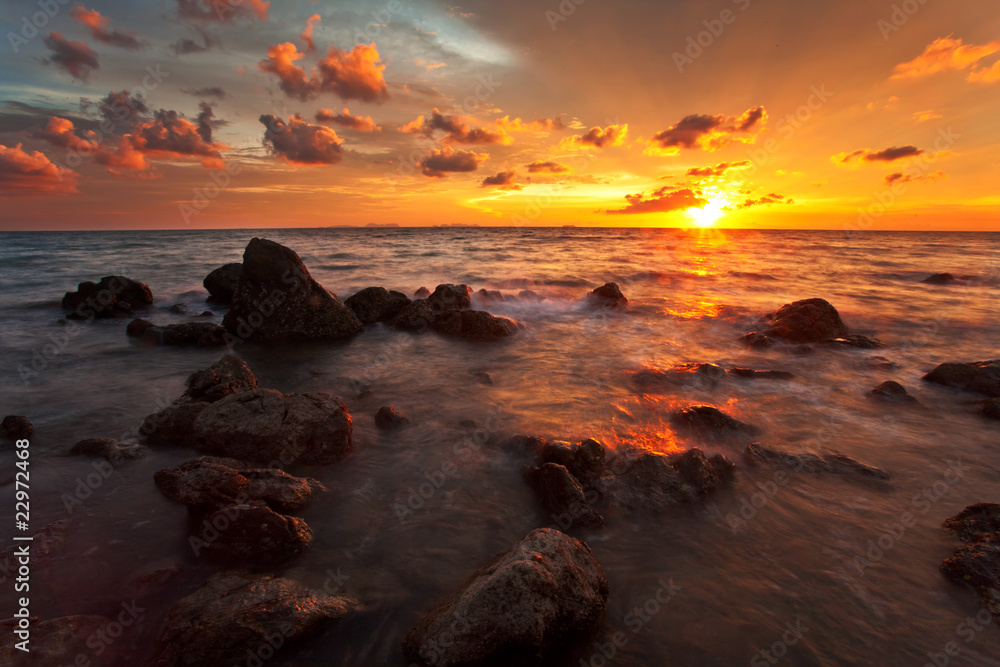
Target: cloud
(508,124)
(345,119)
(502,181)
(900,177)
(98,25)
(886,155)
(211,91)
(205,116)
(662,200)
(765,200)
(307,32)
(75,57)
(222,11)
(168,135)
(710,133)
(60,132)
(456,130)
(300,142)
(352,75)
(924,116)
(33,174)
(440,161)
(121,107)
(597,137)
(947,54)
(187,45)
(547,168)
(717,170)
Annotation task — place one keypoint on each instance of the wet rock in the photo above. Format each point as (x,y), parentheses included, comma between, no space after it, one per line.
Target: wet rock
(585,460)
(975,522)
(806,321)
(486,296)
(172,425)
(422,293)
(757,341)
(653,482)
(977,563)
(981,377)
(200,334)
(206,313)
(57,642)
(277,299)
(265,425)
(447,297)
(757,453)
(113,296)
(482,377)
(892,392)
(389,418)
(417,317)
(377,304)
(250,533)
(524,445)
(694,374)
(16,427)
(179,309)
(883,363)
(235,614)
(706,421)
(563,498)
(530,296)
(114,452)
(854,340)
(991,408)
(544,593)
(222,282)
(702,473)
(609,295)
(946,279)
(475,325)
(751,374)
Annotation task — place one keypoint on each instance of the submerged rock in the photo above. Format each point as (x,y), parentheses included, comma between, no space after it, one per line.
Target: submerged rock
(752,374)
(524,445)
(529,601)
(806,321)
(179,309)
(833,463)
(201,334)
(277,299)
(706,421)
(114,452)
(235,614)
(655,482)
(377,304)
(609,295)
(222,283)
(113,296)
(757,341)
(475,325)
(16,427)
(389,418)
(489,296)
(893,392)
(563,498)
(854,340)
(946,279)
(530,296)
(977,563)
(57,642)
(981,377)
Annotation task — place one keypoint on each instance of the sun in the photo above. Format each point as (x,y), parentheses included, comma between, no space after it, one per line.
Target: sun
(707,214)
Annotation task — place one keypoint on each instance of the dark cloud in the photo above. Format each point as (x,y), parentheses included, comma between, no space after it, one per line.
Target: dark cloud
(711,132)
(900,177)
(205,116)
(717,170)
(222,11)
(186,46)
(120,108)
(346,119)
(440,161)
(456,130)
(352,75)
(547,168)
(211,91)
(887,155)
(99,25)
(503,181)
(612,135)
(662,200)
(300,142)
(75,57)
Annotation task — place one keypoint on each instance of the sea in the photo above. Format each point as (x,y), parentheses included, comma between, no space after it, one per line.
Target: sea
(411,514)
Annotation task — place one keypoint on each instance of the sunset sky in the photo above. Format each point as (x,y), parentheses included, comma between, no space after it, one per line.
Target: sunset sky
(735,113)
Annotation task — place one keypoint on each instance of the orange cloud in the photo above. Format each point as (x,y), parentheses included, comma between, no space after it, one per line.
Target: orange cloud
(75,57)
(307,33)
(662,200)
(352,75)
(710,133)
(508,124)
(33,174)
(886,155)
(300,142)
(900,177)
(222,11)
(597,137)
(456,130)
(440,161)
(946,54)
(765,200)
(502,181)
(548,167)
(61,132)
(717,170)
(345,119)
(99,25)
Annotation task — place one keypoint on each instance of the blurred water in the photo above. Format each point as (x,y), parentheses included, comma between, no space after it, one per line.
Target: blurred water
(567,376)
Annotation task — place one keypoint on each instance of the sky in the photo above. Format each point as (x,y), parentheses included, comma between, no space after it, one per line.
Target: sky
(177,114)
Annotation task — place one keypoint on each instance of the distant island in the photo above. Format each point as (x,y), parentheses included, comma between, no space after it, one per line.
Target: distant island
(381,224)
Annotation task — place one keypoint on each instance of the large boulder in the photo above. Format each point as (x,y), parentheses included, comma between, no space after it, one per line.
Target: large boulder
(277,299)
(757,453)
(236,615)
(608,295)
(222,283)
(475,325)
(981,377)
(16,427)
(542,594)
(806,321)
(200,334)
(447,297)
(376,304)
(113,296)
(977,563)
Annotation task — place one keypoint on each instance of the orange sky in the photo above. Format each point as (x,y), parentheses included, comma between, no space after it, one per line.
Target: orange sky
(737,113)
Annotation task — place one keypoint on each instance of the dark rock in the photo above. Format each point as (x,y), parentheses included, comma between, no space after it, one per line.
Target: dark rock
(377,304)
(222,283)
(991,408)
(609,294)
(113,296)
(422,293)
(416,317)
(483,377)
(114,451)
(201,334)
(693,374)
(563,498)
(486,296)
(475,325)
(389,418)
(761,375)
(527,603)
(57,642)
(251,534)
(449,297)
(757,341)
(982,377)
(854,340)
(707,421)
(806,321)
(893,392)
(46,546)
(654,482)
(815,463)
(585,461)
(524,445)
(206,313)
(235,614)
(530,296)
(883,363)
(16,427)
(155,580)
(947,279)
(977,563)
(702,473)
(179,309)
(975,522)
(172,425)
(277,299)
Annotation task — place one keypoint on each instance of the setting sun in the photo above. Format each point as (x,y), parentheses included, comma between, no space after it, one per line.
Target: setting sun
(707,215)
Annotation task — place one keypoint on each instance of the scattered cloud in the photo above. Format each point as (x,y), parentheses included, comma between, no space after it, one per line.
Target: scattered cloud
(307,33)
(222,11)
(440,161)
(502,181)
(924,116)
(947,54)
(598,137)
(98,25)
(900,177)
(345,119)
(508,124)
(33,174)
(547,168)
(886,155)
(765,200)
(662,200)
(300,142)
(456,130)
(352,75)
(717,170)
(211,91)
(710,133)
(75,57)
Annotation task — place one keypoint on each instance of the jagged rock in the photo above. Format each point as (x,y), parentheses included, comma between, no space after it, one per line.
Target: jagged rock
(113,296)
(977,563)
(610,295)
(235,614)
(377,304)
(222,283)
(277,299)
(252,534)
(389,418)
(475,325)
(524,445)
(16,427)
(833,463)
(757,341)
(113,451)
(56,642)
(544,593)
(561,495)
(892,391)
(982,377)
(706,421)
(201,334)
(806,321)
(702,473)
(752,374)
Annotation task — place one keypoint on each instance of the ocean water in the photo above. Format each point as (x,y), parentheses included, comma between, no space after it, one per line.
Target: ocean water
(794,558)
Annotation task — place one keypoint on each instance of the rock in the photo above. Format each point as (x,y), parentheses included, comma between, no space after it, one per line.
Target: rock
(854,340)
(530,296)
(475,325)
(422,293)
(46,544)
(752,374)
(975,522)
(585,461)
(892,392)
(113,296)
(703,474)
(449,297)
(235,614)
(172,425)
(265,425)
(563,498)
(982,377)
(946,279)
(486,296)
(685,375)
(377,304)
(277,299)
(882,363)
(57,642)
(179,309)
(201,334)
(609,295)
(654,482)
(251,534)
(416,317)
(806,321)
(524,445)
(544,593)
(16,427)
(389,418)
(113,451)
(835,463)
(706,421)
(482,377)
(151,581)
(757,341)
(977,563)
(206,313)
(222,282)
(991,408)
